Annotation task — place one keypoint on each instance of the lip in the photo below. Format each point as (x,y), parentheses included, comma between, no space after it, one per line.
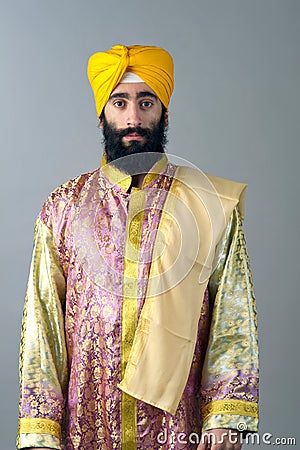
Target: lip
(133,137)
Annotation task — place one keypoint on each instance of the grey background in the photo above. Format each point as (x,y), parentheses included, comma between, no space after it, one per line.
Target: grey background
(234,113)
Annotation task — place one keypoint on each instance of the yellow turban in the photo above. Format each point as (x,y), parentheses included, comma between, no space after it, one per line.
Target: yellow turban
(153,65)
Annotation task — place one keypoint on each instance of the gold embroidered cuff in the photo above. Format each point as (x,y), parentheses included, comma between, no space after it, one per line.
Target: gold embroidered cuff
(238,407)
(39,426)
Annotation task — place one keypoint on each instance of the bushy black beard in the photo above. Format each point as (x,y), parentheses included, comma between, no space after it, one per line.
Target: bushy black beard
(136,157)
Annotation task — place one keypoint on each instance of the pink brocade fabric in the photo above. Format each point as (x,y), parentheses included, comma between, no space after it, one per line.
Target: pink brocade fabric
(92,261)
(92,417)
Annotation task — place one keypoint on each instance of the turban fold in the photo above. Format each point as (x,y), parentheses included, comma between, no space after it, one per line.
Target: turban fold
(153,65)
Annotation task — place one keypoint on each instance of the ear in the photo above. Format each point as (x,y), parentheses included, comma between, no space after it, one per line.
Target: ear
(100,123)
(166,118)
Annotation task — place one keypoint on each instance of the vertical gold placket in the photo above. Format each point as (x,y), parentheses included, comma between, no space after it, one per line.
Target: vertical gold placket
(130,308)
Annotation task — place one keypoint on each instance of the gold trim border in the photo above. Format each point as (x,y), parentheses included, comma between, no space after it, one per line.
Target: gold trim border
(130,309)
(238,407)
(39,426)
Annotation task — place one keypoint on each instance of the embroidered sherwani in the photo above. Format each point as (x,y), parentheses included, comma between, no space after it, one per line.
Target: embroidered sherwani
(92,257)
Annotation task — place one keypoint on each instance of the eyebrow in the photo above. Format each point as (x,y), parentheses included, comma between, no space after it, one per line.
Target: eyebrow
(138,95)
(146,94)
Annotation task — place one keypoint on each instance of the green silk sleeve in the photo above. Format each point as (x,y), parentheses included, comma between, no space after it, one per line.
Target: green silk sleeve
(43,355)
(230,375)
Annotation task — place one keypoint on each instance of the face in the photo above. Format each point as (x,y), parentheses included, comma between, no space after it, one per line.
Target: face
(133,121)
(132,105)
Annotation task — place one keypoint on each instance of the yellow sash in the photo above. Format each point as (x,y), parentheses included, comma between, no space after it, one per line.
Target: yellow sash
(195,214)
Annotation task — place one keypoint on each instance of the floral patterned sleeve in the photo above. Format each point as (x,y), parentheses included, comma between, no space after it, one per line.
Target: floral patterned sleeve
(230,374)
(43,355)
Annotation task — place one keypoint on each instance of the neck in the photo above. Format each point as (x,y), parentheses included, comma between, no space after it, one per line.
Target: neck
(137,180)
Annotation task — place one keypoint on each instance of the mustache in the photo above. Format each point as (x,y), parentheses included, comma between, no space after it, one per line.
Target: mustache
(138,130)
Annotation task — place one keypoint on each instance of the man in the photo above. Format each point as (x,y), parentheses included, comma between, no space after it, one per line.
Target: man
(139,327)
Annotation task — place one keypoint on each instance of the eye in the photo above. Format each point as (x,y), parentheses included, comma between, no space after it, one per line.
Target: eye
(119,103)
(146,104)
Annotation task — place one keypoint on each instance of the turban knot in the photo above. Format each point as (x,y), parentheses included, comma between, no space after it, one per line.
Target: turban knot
(153,65)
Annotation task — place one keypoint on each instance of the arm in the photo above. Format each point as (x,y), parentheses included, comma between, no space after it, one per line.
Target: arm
(230,374)
(43,355)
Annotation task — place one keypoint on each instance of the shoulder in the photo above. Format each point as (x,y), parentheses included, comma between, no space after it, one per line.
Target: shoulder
(61,200)
(202,180)
(224,188)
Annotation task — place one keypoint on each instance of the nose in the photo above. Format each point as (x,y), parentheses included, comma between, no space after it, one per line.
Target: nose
(133,115)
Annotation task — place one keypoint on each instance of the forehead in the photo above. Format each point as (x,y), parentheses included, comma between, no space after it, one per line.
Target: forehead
(132,89)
